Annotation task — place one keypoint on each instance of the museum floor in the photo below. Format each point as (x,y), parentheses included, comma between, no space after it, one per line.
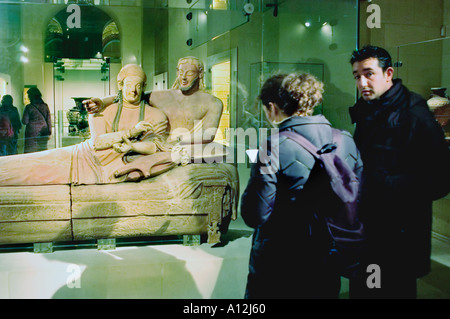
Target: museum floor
(162,271)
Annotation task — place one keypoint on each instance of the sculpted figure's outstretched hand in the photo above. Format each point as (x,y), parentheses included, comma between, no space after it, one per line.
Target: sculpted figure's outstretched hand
(94,105)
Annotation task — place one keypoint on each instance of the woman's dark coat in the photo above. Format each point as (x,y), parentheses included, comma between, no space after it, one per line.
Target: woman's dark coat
(286,259)
(37,119)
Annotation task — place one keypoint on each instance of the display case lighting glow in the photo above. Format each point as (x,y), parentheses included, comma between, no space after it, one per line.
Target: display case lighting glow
(326,29)
(84,64)
(202,17)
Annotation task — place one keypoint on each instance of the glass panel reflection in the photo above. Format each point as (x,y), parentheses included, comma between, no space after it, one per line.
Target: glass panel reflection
(210,19)
(431,79)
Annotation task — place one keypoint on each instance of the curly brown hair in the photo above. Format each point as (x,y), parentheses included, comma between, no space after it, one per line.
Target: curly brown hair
(294,93)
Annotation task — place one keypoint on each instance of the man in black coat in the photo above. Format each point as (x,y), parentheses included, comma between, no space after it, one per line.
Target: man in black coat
(406,167)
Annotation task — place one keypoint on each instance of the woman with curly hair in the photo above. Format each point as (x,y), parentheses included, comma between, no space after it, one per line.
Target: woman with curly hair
(290,245)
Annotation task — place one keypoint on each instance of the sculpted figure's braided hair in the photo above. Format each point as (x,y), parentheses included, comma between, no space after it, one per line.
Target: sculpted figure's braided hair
(295,94)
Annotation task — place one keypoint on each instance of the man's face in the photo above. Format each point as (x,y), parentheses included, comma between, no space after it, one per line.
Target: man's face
(371,81)
(187,76)
(132,89)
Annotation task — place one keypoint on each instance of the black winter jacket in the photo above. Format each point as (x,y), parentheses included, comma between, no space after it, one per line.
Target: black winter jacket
(406,167)
(281,210)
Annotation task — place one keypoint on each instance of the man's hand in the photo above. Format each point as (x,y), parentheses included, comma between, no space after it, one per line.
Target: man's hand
(93,105)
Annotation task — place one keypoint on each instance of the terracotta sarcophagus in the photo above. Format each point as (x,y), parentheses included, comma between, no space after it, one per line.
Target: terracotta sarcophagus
(187,200)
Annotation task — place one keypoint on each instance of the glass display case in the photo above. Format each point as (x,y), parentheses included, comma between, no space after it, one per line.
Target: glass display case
(430,79)
(76,48)
(261,71)
(76,80)
(72,50)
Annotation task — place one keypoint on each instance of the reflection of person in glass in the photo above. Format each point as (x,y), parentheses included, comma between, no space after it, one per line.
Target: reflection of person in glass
(7,107)
(129,125)
(185,105)
(37,119)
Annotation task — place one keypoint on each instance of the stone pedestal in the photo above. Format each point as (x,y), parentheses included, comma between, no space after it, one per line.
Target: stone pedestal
(192,200)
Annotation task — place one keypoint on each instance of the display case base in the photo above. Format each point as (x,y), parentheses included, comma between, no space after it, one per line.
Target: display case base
(197,199)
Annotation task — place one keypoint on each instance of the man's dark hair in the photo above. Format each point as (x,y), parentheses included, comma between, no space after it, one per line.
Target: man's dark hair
(370,51)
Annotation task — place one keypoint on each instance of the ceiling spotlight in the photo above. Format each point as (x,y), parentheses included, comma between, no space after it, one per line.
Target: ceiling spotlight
(307,24)
(23,59)
(24,49)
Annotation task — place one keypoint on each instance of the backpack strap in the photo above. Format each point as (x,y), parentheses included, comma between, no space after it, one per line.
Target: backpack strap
(337,136)
(45,119)
(302,141)
(310,147)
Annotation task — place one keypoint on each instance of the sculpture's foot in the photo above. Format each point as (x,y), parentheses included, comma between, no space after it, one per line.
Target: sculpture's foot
(42,248)
(131,176)
(191,240)
(213,233)
(106,244)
